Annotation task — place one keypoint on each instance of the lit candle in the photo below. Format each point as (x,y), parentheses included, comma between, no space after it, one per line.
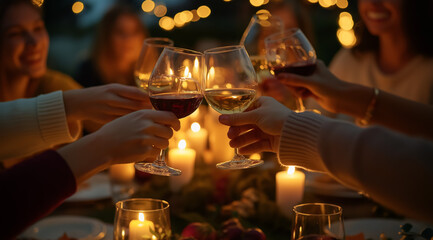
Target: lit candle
(197,137)
(218,140)
(184,159)
(289,189)
(141,228)
(122,172)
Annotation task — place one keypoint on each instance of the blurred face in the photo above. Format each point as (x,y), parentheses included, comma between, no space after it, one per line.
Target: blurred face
(24,41)
(381,16)
(127,39)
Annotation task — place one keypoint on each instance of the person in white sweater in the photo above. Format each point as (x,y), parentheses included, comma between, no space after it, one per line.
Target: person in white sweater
(393,169)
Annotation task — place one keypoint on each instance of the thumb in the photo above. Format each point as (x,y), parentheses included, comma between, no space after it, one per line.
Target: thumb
(238,119)
(293,80)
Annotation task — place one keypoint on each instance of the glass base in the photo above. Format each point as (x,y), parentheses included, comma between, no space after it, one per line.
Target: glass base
(240,164)
(157,170)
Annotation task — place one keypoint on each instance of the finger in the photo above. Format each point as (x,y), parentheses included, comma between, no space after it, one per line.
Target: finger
(159,131)
(128,92)
(293,80)
(247,138)
(238,119)
(235,131)
(126,103)
(162,117)
(260,146)
(154,141)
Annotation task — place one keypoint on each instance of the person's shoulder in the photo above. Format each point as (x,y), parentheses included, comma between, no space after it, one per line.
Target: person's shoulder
(55,80)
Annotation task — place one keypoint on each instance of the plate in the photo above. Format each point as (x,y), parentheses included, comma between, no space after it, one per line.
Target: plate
(323,184)
(95,188)
(82,228)
(373,227)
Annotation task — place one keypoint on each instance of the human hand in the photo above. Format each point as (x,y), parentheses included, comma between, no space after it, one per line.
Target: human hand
(104,103)
(325,87)
(259,128)
(273,87)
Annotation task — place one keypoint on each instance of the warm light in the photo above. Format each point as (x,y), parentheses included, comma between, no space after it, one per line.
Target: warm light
(342,4)
(38,2)
(227,0)
(325,3)
(345,21)
(195,16)
(203,11)
(77,7)
(170,71)
(257,3)
(263,14)
(187,16)
(186,73)
(196,62)
(195,127)
(160,10)
(195,113)
(291,170)
(255,156)
(346,38)
(229,85)
(154,237)
(148,5)
(181,144)
(178,21)
(313,1)
(167,23)
(141,217)
(265,2)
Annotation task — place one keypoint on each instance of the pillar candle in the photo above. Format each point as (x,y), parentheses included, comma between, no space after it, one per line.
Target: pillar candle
(140,229)
(289,189)
(218,140)
(183,159)
(197,137)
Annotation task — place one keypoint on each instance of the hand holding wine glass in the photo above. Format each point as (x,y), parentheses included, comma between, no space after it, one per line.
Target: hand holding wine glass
(290,52)
(152,48)
(174,86)
(230,86)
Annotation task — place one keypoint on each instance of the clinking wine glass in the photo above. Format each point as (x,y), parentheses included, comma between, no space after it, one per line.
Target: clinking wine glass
(230,86)
(261,25)
(175,86)
(318,221)
(291,52)
(151,50)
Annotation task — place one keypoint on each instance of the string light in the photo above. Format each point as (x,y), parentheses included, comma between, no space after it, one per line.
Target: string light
(148,5)
(203,11)
(166,23)
(347,38)
(342,4)
(77,7)
(160,11)
(257,3)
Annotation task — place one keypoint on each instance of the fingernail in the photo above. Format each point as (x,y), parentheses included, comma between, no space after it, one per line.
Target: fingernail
(224,119)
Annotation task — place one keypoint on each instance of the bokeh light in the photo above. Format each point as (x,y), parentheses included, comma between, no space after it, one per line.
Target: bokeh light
(148,5)
(178,20)
(342,4)
(38,2)
(77,7)
(347,38)
(195,16)
(345,21)
(160,10)
(166,23)
(257,3)
(203,11)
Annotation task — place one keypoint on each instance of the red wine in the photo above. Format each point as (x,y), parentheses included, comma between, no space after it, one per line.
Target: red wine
(317,237)
(302,68)
(181,104)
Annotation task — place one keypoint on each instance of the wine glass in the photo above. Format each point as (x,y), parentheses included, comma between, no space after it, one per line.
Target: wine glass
(152,48)
(175,86)
(142,218)
(230,86)
(318,221)
(290,52)
(261,25)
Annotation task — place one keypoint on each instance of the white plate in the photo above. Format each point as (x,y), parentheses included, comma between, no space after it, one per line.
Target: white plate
(373,227)
(327,188)
(95,188)
(82,228)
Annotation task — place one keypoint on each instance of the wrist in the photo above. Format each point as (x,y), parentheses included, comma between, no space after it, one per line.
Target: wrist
(354,100)
(71,107)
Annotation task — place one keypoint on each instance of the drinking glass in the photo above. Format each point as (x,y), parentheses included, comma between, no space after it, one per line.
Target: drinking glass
(175,86)
(152,48)
(230,86)
(290,52)
(318,221)
(142,218)
(261,25)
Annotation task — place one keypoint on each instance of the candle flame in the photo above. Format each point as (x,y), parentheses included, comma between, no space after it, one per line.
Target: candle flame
(186,73)
(291,170)
(170,71)
(182,144)
(196,63)
(229,85)
(141,217)
(195,127)
(211,73)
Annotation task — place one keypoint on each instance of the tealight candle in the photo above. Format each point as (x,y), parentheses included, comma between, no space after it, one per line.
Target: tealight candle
(141,228)
(184,159)
(289,189)
(197,137)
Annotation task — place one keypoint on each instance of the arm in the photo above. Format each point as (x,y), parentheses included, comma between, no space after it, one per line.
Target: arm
(31,125)
(341,97)
(393,169)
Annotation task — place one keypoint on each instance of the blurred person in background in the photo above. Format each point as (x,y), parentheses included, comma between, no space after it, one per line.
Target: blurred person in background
(115,50)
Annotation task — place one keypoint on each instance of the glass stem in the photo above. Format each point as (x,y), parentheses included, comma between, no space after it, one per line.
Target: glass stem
(160,161)
(237,156)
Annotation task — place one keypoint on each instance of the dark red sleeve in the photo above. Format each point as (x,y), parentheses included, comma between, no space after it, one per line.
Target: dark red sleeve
(32,189)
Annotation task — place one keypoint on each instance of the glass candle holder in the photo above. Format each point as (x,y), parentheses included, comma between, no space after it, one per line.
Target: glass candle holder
(142,219)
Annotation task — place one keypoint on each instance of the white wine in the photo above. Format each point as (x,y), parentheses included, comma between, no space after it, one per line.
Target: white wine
(230,100)
(142,80)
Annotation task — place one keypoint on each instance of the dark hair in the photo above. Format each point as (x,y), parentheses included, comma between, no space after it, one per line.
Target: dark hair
(105,28)
(417,25)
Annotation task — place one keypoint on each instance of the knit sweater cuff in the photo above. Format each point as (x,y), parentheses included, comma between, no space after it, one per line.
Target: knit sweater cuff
(52,119)
(299,141)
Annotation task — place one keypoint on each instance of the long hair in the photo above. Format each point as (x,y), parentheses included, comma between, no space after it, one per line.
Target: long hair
(417,26)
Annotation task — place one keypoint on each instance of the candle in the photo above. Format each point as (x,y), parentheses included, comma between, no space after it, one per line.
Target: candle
(197,137)
(122,172)
(218,140)
(141,228)
(289,189)
(184,159)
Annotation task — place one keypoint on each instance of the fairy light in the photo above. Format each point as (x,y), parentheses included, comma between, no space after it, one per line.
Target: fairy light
(148,5)
(77,7)
(160,10)
(347,38)
(203,11)
(257,3)
(345,21)
(342,4)
(178,20)
(195,16)
(166,23)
